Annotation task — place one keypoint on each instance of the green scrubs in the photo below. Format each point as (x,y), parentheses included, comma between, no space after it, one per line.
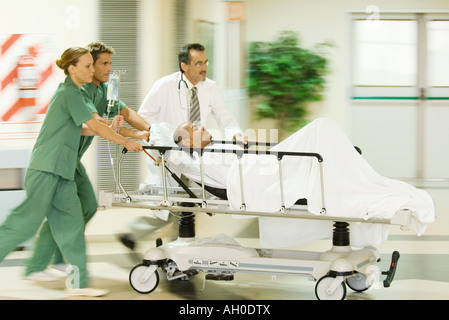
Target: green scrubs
(96,99)
(50,182)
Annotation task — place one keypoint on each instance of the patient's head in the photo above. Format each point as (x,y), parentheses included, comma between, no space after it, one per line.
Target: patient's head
(190,135)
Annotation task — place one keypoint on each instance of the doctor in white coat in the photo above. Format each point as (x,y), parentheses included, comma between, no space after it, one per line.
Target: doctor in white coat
(170,100)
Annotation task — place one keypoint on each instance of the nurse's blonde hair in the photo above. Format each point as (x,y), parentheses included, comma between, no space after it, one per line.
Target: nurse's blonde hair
(70,57)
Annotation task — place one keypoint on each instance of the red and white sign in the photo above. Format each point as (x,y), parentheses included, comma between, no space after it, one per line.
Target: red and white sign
(28,79)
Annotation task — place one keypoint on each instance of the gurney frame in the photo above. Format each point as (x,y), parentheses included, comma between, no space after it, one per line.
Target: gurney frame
(332,270)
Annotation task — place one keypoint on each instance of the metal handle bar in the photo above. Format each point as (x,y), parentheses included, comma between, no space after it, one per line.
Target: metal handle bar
(239,153)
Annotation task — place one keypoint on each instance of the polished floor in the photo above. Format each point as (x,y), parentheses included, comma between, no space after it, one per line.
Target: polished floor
(422,272)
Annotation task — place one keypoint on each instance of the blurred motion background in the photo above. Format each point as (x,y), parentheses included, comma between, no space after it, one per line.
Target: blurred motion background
(387,83)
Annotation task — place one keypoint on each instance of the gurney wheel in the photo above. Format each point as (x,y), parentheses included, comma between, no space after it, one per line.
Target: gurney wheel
(358,282)
(322,286)
(135,279)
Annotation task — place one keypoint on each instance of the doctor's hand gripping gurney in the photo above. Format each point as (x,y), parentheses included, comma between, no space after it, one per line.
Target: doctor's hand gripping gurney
(352,188)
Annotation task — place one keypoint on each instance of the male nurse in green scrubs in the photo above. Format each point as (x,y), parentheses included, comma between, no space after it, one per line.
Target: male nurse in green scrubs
(95,94)
(49,183)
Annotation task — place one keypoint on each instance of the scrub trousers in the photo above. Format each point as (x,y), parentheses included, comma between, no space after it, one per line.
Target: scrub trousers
(54,198)
(46,247)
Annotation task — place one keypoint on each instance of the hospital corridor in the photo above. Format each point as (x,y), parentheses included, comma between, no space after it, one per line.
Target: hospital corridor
(221,151)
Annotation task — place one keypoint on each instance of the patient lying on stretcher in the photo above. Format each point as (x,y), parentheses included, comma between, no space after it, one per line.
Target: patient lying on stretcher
(352,187)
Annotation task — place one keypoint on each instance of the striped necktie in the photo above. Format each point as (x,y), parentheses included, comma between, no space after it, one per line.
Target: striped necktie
(195,116)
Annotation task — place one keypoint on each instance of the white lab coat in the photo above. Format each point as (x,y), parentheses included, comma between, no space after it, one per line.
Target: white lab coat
(166,103)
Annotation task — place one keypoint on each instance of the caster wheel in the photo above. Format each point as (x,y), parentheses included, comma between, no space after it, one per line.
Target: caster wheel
(358,282)
(140,285)
(323,285)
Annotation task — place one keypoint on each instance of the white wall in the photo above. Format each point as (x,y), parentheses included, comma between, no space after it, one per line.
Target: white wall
(69,23)
(319,21)
(387,133)
(75,23)
(156,31)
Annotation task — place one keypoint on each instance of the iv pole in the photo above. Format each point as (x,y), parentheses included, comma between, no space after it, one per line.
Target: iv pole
(113,95)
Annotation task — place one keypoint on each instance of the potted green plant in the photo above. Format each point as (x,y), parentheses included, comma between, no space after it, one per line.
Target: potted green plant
(286,77)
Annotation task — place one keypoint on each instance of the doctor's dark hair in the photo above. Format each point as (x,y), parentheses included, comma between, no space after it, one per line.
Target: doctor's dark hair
(184,53)
(70,57)
(97,48)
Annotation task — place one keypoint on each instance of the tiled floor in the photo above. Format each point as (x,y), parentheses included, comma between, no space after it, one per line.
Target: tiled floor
(421,274)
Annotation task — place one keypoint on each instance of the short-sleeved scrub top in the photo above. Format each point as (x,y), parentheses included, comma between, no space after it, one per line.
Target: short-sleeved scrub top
(96,100)
(56,149)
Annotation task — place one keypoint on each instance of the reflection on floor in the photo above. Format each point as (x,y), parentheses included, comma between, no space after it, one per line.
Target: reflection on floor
(421,274)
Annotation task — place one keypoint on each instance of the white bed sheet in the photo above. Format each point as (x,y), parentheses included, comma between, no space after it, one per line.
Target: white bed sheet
(352,189)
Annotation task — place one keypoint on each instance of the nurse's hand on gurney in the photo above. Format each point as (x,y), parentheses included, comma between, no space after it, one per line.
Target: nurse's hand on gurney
(117,123)
(105,132)
(132,145)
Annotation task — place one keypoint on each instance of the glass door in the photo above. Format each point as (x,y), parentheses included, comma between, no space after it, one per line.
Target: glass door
(400,93)
(435,95)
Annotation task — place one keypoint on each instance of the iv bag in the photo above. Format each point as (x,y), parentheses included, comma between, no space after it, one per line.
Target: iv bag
(113,86)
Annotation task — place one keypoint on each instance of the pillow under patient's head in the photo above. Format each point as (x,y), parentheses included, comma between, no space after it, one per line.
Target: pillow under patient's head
(161,134)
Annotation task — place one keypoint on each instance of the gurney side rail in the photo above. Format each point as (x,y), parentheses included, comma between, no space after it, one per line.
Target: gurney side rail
(401,218)
(239,153)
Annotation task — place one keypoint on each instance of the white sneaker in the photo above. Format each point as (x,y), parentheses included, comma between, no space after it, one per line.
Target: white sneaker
(61,267)
(43,276)
(87,292)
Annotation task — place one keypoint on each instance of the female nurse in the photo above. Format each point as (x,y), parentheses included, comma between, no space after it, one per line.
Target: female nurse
(49,182)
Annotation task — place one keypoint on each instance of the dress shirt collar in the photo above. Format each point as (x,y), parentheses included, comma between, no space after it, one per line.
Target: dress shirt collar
(189,84)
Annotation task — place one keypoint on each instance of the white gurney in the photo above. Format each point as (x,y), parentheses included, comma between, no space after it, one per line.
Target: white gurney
(220,257)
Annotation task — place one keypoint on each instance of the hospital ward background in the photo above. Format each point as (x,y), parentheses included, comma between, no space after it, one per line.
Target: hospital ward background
(386,87)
